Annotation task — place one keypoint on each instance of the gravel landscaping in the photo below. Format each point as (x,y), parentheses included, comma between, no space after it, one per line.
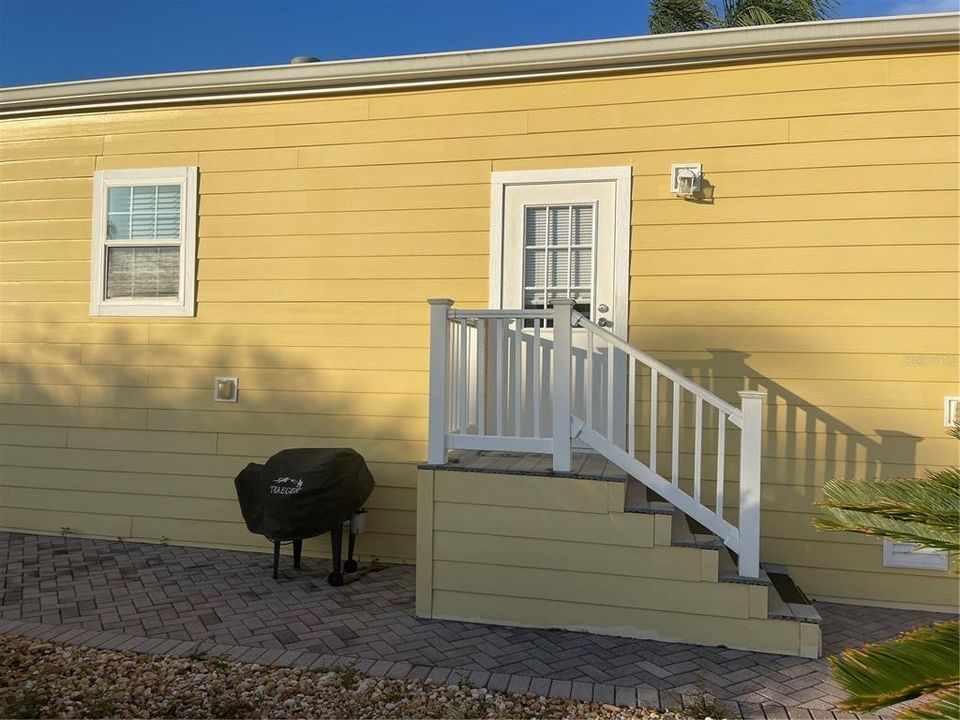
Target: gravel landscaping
(43,679)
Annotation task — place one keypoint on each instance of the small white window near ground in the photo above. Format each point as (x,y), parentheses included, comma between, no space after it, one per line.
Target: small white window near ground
(144,242)
(910,555)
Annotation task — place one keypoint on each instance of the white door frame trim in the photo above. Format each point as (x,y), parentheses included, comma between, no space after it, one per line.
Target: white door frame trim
(621,175)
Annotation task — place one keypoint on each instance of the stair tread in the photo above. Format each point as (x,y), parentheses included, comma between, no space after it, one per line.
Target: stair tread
(729,572)
(787,600)
(637,500)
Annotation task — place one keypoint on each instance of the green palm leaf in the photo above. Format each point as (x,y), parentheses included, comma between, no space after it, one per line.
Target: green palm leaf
(670,16)
(923,510)
(944,706)
(919,662)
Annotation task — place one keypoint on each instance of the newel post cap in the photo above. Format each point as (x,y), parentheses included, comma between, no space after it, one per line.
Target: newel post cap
(562,301)
(440,301)
(752,394)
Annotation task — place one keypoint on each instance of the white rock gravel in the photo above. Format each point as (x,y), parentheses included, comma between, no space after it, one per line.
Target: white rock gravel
(48,680)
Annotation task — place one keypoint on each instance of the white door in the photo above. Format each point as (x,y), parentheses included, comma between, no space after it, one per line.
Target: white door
(564,236)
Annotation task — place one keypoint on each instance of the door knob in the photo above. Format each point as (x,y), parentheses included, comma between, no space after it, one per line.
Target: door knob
(603,322)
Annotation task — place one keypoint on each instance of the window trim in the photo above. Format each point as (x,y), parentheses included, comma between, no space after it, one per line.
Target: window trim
(184,305)
(897,555)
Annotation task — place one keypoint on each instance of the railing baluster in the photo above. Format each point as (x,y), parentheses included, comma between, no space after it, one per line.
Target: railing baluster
(610,390)
(675,444)
(721,459)
(518,378)
(588,382)
(537,376)
(697,448)
(464,380)
(481,376)
(654,378)
(500,390)
(631,406)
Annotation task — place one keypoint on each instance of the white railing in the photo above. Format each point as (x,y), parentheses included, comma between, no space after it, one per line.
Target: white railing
(546,381)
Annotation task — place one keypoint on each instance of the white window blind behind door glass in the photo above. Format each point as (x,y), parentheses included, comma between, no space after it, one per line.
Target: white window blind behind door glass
(558,255)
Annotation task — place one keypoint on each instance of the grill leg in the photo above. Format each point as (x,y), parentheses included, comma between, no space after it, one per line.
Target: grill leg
(276,559)
(336,542)
(351,565)
(297,552)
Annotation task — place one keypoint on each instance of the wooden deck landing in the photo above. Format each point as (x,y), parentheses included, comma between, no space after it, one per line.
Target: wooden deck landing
(588,466)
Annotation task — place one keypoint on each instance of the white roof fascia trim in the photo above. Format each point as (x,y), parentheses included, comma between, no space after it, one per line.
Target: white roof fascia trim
(451,68)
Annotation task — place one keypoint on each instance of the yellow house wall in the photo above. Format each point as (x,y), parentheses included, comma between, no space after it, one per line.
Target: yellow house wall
(824,271)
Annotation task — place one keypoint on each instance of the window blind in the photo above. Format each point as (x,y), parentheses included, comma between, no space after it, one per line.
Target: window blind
(558,255)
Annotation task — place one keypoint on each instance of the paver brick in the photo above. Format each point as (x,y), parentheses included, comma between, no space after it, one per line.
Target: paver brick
(167,599)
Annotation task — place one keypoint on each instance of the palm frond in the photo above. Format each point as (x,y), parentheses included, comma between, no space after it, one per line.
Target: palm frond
(945,705)
(924,510)
(919,662)
(671,16)
(747,15)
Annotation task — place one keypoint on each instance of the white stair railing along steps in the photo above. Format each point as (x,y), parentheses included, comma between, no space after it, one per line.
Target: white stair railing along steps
(488,372)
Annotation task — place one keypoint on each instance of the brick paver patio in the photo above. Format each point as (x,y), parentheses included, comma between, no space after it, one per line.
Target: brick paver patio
(176,600)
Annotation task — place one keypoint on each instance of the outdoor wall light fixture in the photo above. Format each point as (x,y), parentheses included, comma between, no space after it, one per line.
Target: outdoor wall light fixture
(225,389)
(685,179)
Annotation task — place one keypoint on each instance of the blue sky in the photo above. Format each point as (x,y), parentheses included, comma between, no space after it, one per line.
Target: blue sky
(44,41)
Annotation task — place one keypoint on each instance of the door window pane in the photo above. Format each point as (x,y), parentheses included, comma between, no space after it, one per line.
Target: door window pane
(558,255)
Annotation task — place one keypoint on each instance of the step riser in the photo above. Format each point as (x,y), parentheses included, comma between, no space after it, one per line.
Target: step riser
(559,551)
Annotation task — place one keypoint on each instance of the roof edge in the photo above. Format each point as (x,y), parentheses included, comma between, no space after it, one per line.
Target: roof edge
(472,66)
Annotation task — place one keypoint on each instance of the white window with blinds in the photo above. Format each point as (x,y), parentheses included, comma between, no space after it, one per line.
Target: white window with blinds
(558,255)
(144,242)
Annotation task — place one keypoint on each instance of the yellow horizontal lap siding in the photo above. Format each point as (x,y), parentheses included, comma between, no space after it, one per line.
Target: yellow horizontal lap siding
(832,286)
(80,188)
(311,223)
(468,293)
(347,381)
(340,357)
(674,564)
(754,132)
(296,136)
(345,404)
(319,269)
(919,123)
(828,102)
(793,261)
(57,414)
(52,169)
(800,339)
(364,178)
(400,244)
(779,313)
(813,233)
(373,449)
(150,160)
(267,422)
(186,118)
(937,203)
(39,395)
(44,250)
(812,181)
(354,200)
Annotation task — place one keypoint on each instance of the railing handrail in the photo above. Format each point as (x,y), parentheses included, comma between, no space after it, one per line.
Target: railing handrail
(732,412)
(499,314)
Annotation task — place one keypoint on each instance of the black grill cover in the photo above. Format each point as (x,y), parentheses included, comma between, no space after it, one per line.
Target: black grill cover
(303,492)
